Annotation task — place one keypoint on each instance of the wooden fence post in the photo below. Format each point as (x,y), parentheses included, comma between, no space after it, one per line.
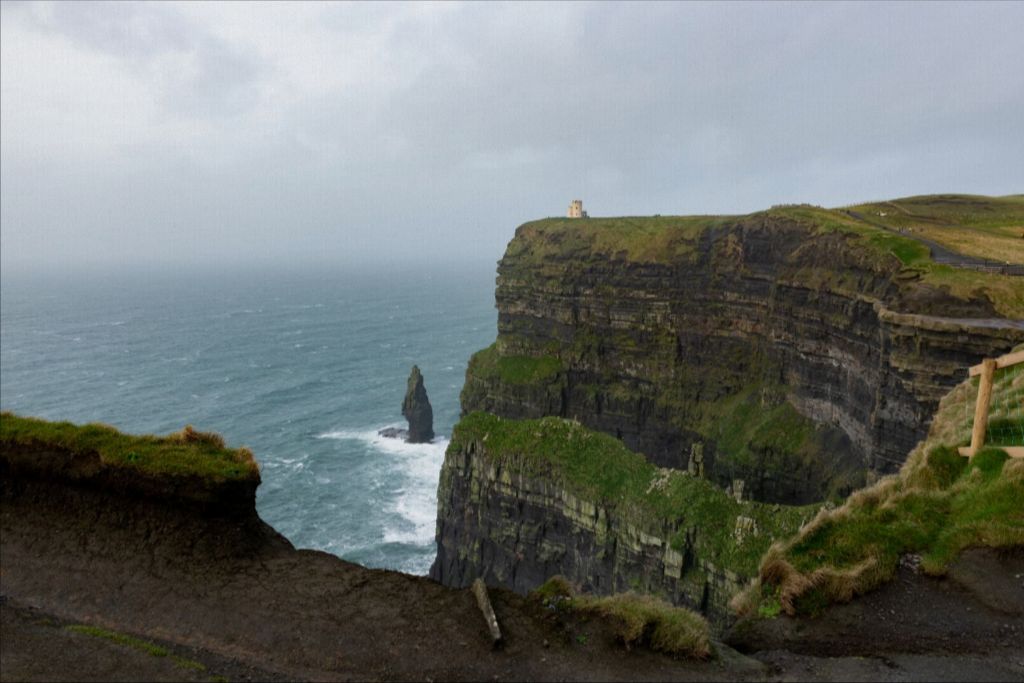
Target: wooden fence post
(988,370)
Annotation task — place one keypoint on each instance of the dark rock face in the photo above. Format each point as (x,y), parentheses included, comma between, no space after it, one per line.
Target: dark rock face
(837,355)
(416,409)
(763,314)
(514,530)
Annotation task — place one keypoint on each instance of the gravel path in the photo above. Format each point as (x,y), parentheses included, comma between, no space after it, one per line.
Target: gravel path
(235,598)
(944,255)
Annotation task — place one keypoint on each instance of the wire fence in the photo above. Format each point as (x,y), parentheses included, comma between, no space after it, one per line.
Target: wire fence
(1006,410)
(997,416)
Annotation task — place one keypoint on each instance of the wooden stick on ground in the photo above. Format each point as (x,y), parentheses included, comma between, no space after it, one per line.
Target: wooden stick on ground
(484,602)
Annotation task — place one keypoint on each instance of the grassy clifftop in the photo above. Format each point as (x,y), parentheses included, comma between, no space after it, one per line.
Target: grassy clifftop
(986,227)
(187,453)
(884,235)
(657,239)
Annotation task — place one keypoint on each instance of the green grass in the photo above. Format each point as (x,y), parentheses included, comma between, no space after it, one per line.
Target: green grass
(660,239)
(741,426)
(980,507)
(143,646)
(597,467)
(988,214)
(185,453)
(938,505)
(985,218)
(989,227)
(638,620)
(1006,292)
(489,364)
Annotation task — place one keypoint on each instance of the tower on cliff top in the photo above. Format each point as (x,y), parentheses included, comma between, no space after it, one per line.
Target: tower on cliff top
(576,209)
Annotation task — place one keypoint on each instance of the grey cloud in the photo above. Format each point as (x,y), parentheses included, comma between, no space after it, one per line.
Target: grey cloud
(450,124)
(137,35)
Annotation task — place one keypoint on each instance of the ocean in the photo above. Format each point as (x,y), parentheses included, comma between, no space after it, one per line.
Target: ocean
(301,366)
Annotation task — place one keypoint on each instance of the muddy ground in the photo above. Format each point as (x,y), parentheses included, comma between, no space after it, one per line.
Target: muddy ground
(227,598)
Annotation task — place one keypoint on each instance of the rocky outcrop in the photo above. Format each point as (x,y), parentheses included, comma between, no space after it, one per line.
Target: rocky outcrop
(515,508)
(516,531)
(790,357)
(416,409)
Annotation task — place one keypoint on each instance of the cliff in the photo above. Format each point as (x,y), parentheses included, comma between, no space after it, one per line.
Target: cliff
(520,501)
(793,349)
(786,356)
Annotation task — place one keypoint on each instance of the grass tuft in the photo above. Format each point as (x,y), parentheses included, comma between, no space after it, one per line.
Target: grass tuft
(638,620)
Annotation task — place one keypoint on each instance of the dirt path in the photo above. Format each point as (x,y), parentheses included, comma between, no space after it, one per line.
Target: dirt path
(146,571)
(945,255)
(233,597)
(39,646)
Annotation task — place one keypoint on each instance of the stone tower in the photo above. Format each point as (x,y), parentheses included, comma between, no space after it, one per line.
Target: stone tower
(576,209)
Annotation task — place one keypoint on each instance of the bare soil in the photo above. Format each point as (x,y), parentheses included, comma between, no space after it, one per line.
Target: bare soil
(230,594)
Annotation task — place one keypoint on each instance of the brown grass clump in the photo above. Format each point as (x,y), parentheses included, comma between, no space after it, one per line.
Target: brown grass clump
(748,600)
(1013,470)
(637,620)
(789,583)
(190,435)
(646,620)
(841,585)
(245,457)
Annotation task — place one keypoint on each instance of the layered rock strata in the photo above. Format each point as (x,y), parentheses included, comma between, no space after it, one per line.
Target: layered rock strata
(763,320)
(517,532)
(782,360)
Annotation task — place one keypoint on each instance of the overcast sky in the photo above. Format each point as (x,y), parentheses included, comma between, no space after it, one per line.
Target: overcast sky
(341,133)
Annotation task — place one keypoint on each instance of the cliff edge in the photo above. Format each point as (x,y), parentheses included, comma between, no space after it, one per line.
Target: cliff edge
(797,349)
(750,369)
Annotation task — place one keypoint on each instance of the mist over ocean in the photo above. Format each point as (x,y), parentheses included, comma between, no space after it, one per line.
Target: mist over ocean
(303,367)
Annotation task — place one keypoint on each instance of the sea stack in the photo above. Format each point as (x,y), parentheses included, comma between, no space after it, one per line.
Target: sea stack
(416,409)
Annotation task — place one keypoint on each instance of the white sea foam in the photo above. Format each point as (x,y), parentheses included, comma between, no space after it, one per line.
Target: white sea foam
(296,464)
(417,467)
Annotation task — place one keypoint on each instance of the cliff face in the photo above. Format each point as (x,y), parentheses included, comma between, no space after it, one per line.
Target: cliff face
(767,349)
(521,501)
(517,531)
(778,356)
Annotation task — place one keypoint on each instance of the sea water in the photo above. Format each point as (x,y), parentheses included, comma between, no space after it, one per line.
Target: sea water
(304,367)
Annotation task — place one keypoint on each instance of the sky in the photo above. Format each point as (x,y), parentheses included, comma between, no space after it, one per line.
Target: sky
(163,134)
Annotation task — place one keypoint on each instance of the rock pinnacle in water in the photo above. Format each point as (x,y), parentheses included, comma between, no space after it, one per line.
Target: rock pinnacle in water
(416,409)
